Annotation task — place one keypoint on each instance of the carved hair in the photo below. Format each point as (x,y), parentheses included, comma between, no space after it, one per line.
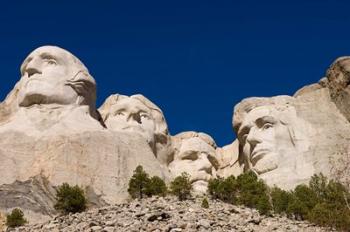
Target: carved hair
(162,136)
(156,113)
(281,103)
(179,138)
(192,134)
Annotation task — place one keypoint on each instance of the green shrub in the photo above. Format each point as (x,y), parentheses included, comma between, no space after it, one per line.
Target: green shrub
(337,194)
(205,203)
(332,208)
(280,200)
(253,192)
(181,186)
(246,190)
(223,189)
(138,183)
(70,199)
(323,202)
(306,196)
(263,205)
(321,214)
(156,186)
(296,208)
(318,185)
(15,218)
(214,188)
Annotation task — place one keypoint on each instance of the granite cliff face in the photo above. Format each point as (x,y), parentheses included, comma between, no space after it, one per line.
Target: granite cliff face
(51,132)
(287,139)
(49,127)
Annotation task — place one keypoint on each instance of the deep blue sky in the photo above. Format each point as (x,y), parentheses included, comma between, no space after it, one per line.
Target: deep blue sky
(194,59)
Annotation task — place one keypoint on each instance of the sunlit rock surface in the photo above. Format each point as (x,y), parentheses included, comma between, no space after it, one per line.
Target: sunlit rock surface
(51,132)
(49,126)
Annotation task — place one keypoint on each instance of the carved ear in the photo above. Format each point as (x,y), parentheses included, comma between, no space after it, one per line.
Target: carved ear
(84,85)
(80,83)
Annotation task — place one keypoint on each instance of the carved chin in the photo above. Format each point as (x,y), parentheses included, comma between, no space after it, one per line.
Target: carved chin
(263,170)
(267,164)
(200,186)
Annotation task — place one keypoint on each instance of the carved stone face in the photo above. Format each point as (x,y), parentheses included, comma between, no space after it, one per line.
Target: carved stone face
(130,114)
(44,77)
(197,158)
(266,140)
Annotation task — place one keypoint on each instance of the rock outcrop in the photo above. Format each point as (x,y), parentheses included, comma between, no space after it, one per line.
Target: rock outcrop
(49,127)
(286,140)
(51,132)
(35,196)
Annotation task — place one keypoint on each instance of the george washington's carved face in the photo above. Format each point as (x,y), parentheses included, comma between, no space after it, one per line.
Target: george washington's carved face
(45,73)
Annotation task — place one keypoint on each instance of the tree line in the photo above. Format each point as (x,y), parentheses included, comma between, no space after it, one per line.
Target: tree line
(322,202)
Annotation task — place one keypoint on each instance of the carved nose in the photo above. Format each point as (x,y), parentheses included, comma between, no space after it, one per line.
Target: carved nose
(205,164)
(135,117)
(33,67)
(32,71)
(253,137)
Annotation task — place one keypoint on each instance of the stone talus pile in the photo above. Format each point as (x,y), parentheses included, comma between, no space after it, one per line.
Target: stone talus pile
(168,214)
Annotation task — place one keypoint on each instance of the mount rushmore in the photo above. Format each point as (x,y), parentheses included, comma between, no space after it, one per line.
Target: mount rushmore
(51,132)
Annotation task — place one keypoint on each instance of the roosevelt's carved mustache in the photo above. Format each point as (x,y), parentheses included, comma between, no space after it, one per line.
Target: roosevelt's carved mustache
(201,175)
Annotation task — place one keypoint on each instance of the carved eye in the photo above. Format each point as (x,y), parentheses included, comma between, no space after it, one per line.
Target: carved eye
(267,126)
(146,116)
(190,155)
(51,61)
(119,113)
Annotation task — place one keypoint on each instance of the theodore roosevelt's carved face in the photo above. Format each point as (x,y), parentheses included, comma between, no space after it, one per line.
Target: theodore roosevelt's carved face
(45,73)
(196,157)
(266,139)
(132,115)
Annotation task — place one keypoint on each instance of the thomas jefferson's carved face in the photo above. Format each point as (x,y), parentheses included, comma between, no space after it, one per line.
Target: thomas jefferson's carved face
(197,158)
(266,140)
(130,114)
(44,75)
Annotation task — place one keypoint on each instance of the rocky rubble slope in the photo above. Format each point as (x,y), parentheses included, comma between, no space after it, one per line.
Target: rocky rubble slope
(168,214)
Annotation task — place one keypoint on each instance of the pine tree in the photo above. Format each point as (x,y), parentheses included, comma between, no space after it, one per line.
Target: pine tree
(138,183)
(70,199)
(15,218)
(156,186)
(205,203)
(181,186)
